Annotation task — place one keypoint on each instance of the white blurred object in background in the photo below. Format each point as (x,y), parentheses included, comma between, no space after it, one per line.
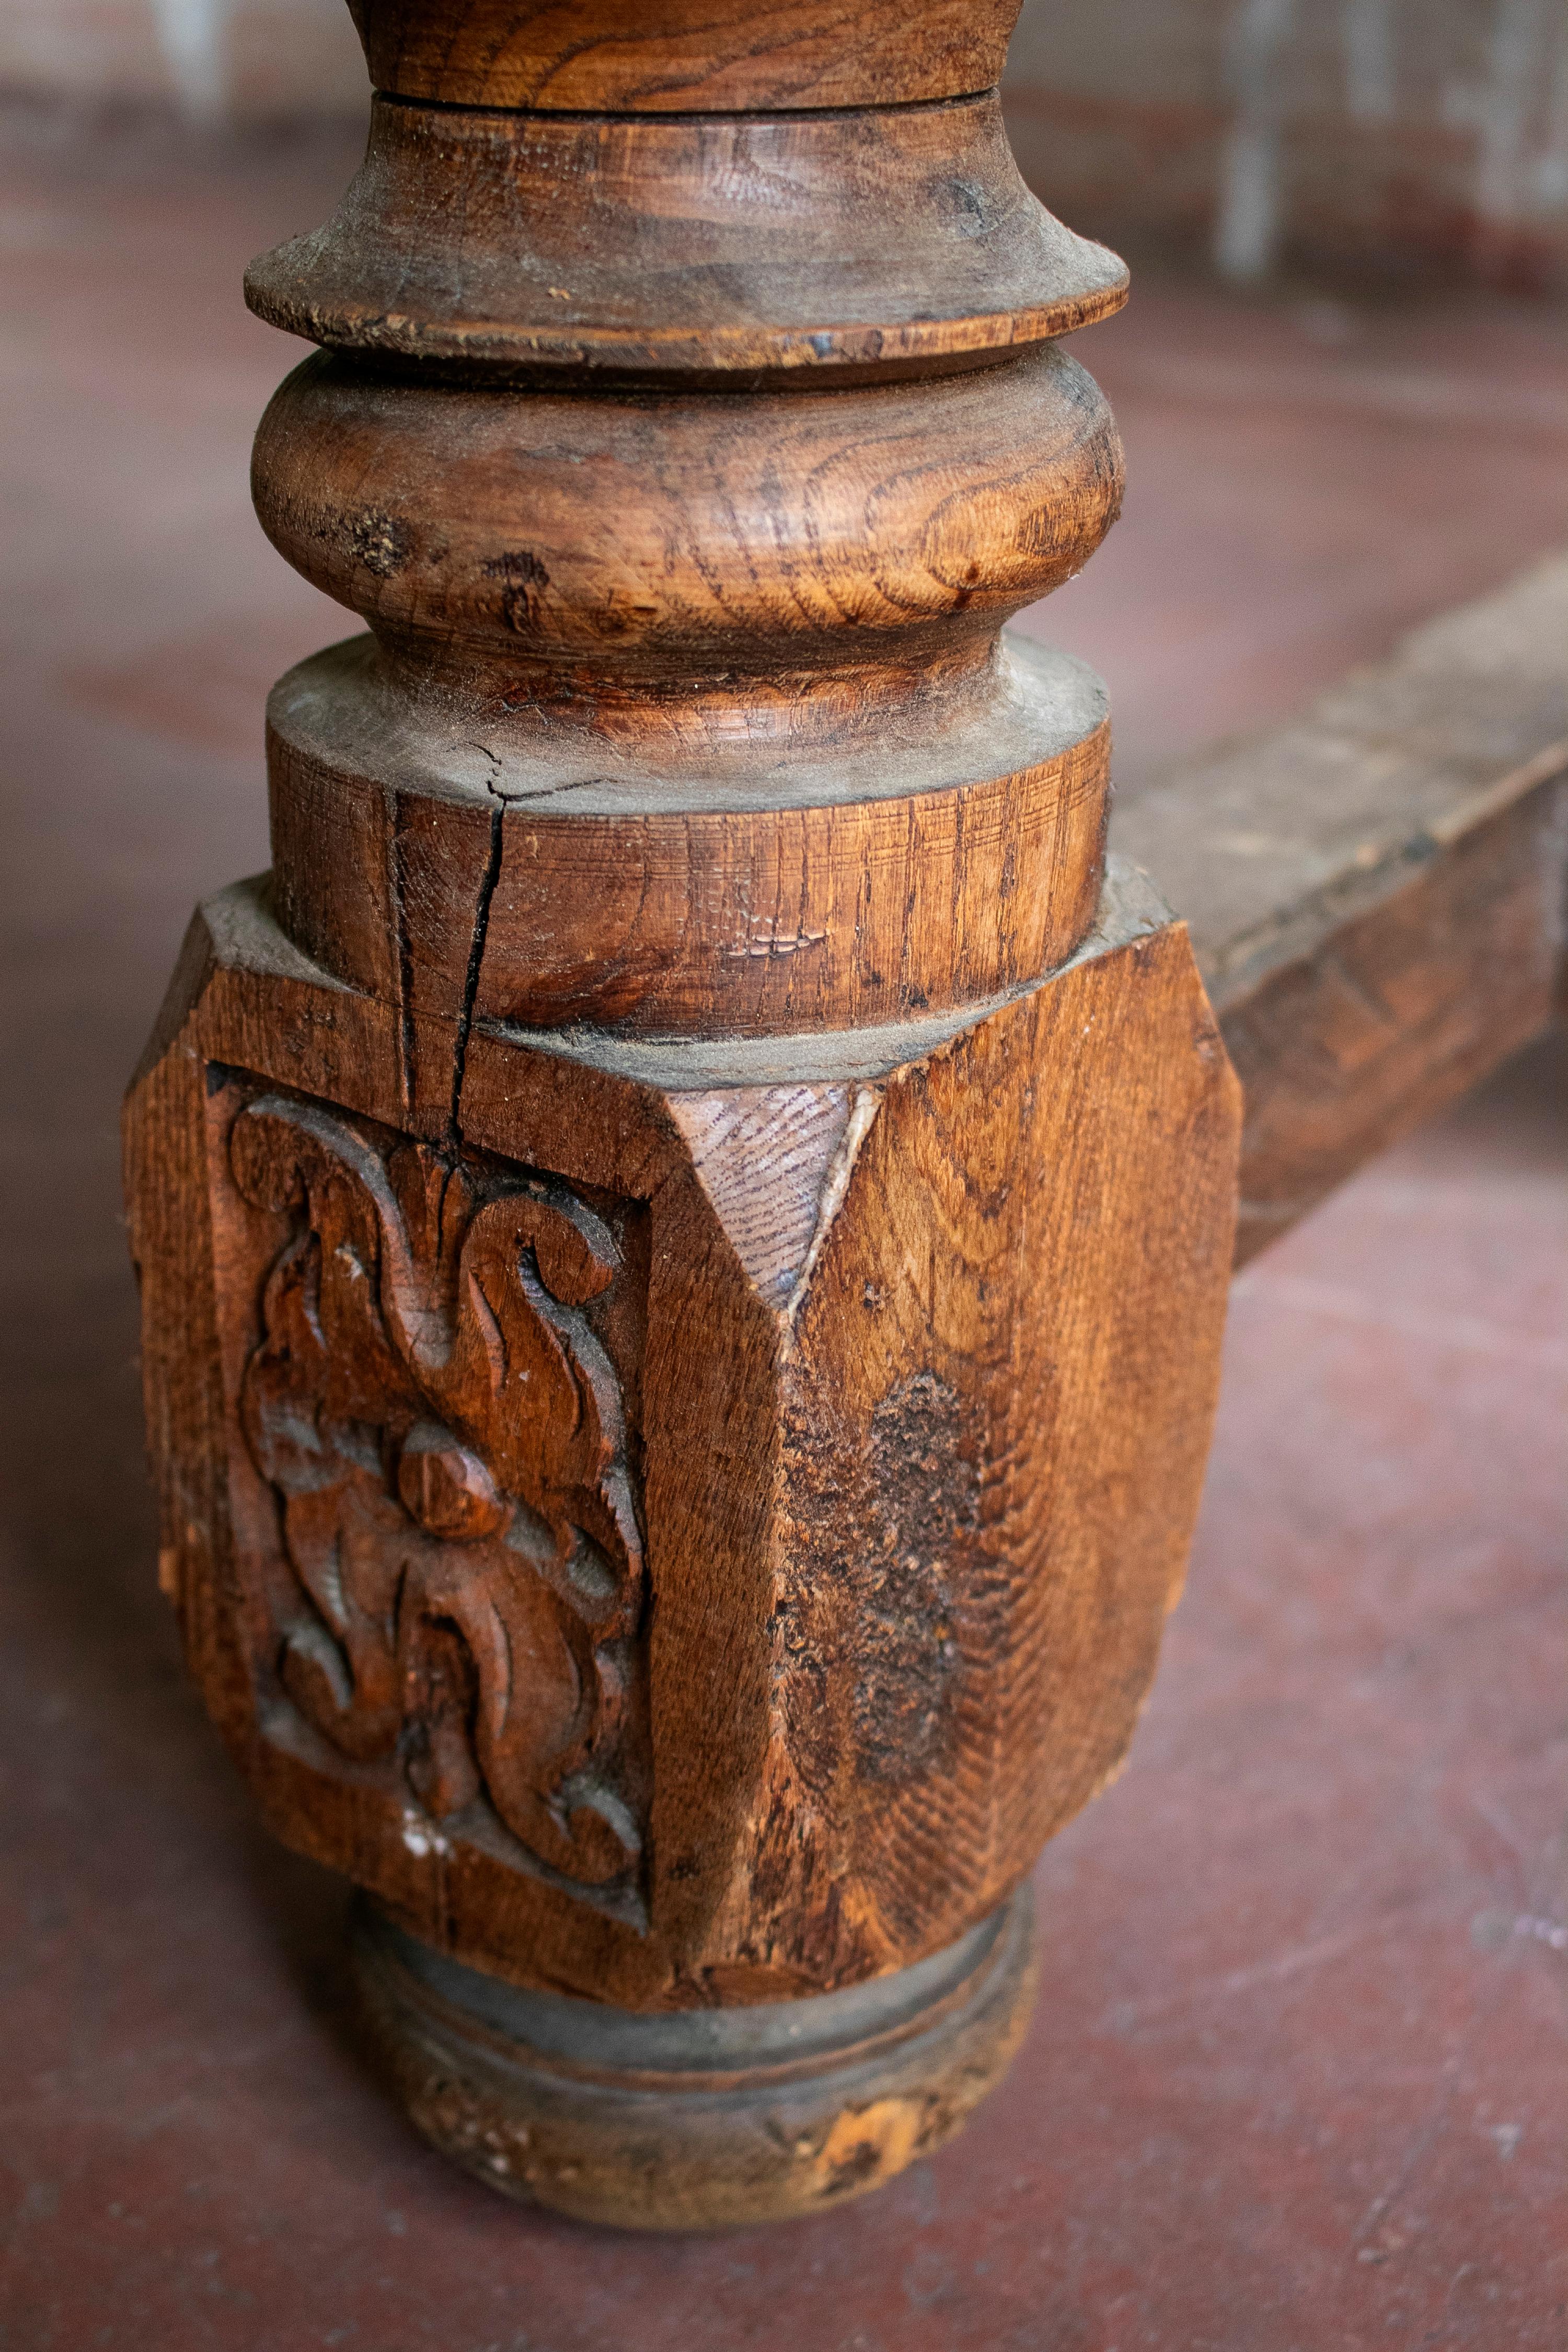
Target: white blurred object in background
(1388,133)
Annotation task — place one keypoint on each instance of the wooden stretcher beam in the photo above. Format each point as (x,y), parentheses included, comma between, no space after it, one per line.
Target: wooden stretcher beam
(1377,891)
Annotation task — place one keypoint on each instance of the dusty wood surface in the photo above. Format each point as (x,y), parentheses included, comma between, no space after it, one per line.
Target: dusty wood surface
(1377,893)
(750,1784)
(688,718)
(850,246)
(684,1237)
(858,2083)
(1375,1623)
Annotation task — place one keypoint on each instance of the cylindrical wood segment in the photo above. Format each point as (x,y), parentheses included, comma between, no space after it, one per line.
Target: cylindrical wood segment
(684,1232)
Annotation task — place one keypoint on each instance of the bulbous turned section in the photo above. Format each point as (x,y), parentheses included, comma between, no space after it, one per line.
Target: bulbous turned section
(712,690)
(552,553)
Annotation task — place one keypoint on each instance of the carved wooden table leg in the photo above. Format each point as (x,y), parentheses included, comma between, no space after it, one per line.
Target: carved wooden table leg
(684,1230)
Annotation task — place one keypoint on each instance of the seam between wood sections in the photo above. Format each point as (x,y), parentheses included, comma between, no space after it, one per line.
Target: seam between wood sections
(639,114)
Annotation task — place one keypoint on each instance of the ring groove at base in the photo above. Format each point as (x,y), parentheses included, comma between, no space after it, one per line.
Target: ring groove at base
(695,2120)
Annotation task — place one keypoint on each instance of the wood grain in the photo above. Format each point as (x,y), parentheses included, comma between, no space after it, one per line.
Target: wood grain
(856,247)
(806,558)
(701,1206)
(443,1403)
(789,2111)
(1379,892)
(849,1764)
(632,908)
(684,56)
(689,715)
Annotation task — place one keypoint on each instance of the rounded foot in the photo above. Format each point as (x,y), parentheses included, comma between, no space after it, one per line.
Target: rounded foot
(694,2120)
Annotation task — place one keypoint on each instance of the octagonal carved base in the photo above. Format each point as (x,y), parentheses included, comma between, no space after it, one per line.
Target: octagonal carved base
(683,1541)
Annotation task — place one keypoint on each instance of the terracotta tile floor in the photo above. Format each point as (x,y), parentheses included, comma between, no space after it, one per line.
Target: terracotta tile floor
(1298,2079)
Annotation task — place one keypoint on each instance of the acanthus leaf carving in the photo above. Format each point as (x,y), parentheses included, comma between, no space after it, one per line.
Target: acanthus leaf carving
(446,1434)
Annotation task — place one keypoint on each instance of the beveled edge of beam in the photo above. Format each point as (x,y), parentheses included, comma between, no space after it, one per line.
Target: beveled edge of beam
(1377,891)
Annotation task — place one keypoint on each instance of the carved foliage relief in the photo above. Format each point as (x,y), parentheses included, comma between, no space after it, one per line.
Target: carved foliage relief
(435,1390)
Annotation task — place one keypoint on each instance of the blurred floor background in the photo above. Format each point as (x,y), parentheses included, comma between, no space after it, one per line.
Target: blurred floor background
(1299,2072)
(1417,137)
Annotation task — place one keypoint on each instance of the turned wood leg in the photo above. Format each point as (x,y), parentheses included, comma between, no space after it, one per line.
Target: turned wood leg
(684,1228)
